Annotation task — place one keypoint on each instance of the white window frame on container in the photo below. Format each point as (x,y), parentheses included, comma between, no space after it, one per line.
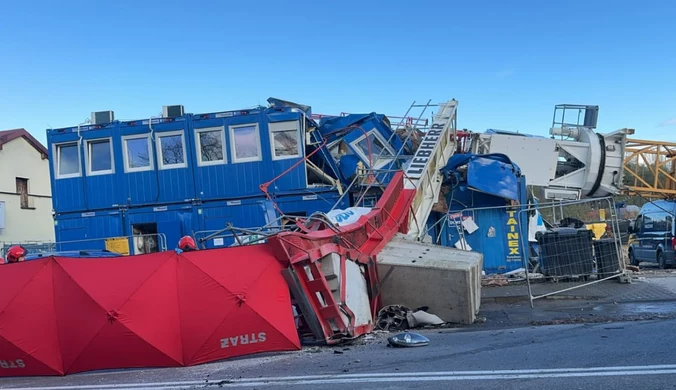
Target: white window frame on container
(125,152)
(89,160)
(278,127)
(57,160)
(198,145)
(384,159)
(160,151)
(233,144)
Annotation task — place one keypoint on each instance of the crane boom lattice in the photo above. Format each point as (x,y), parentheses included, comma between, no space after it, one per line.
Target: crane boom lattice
(650,168)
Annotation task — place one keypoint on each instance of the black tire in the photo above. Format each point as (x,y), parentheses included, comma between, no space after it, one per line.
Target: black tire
(632,259)
(661,260)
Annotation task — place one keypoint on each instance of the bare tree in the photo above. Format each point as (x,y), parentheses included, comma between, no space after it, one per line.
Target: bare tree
(211,146)
(172,150)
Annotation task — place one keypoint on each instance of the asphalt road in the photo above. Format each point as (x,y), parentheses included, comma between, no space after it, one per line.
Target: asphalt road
(593,356)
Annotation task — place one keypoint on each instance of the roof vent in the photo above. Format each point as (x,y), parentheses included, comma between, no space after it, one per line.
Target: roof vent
(102,117)
(172,111)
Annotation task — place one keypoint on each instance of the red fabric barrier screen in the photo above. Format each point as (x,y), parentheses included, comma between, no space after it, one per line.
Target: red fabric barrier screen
(66,315)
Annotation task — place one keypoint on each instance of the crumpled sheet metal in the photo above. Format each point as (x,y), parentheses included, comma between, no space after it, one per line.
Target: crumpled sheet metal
(398,317)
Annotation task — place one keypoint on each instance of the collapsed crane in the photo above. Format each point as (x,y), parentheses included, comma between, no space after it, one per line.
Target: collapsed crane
(574,163)
(650,168)
(423,172)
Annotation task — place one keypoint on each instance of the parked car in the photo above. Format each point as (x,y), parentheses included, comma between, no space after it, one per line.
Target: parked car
(652,234)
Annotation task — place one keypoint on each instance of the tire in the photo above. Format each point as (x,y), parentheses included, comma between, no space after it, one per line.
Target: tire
(661,260)
(632,259)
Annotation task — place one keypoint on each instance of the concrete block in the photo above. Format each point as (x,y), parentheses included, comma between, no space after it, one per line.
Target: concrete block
(330,266)
(448,280)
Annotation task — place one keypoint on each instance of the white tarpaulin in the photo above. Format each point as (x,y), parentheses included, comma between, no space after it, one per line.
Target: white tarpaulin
(535,224)
(247,239)
(348,216)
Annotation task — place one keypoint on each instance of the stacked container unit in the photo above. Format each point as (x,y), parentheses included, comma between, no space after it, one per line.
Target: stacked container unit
(367,139)
(172,176)
(498,227)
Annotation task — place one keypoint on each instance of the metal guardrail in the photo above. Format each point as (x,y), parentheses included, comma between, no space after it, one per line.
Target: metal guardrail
(80,245)
(31,246)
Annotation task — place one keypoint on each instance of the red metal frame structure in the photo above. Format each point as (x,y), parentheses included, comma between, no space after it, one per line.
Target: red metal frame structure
(359,242)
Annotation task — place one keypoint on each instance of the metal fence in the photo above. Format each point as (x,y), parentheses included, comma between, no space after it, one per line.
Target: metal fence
(31,246)
(541,249)
(493,231)
(136,244)
(234,236)
(577,245)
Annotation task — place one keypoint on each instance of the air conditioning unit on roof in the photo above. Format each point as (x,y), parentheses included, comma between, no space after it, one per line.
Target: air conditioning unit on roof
(102,117)
(172,111)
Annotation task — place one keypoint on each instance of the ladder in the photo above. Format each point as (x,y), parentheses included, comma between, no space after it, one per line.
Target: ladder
(423,173)
(461,233)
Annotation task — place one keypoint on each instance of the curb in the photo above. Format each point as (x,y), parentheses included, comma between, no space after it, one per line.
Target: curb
(522,298)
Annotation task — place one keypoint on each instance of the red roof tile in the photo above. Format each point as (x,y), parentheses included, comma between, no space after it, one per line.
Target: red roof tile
(10,135)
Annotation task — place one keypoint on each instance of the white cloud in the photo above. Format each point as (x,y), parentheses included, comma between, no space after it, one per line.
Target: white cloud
(504,73)
(669,122)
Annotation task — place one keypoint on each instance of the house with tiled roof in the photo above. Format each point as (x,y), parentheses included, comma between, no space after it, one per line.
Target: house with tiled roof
(25,191)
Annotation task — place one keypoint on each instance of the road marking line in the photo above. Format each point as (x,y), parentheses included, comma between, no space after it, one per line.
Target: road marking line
(384,377)
(489,372)
(339,380)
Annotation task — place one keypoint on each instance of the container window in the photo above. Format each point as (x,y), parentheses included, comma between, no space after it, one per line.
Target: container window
(372,145)
(67,160)
(137,154)
(211,146)
(171,147)
(376,146)
(284,137)
(339,149)
(99,157)
(245,143)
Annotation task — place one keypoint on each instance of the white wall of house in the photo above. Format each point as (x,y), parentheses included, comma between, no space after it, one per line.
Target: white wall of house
(18,159)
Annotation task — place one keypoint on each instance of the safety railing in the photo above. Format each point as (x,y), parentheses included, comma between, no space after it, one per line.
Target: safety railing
(233,236)
(578,260)
(31,246)
(126,245)
(368,234)
(558,248)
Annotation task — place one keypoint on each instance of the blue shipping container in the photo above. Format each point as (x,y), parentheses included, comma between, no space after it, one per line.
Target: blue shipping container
(499,231)
(256,213)
(87,231)
(186,159)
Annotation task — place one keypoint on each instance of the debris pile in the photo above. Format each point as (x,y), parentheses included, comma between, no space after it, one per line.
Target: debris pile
(397,317)
(517,275)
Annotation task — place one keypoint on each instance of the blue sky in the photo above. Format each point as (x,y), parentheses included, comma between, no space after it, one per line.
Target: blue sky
(508,63)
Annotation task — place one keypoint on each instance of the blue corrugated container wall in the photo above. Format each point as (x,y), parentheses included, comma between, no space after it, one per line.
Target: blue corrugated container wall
(82,231)
(258,212)
(176,160)
(186,174)
(499,228)
(86,231)
(170,223)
